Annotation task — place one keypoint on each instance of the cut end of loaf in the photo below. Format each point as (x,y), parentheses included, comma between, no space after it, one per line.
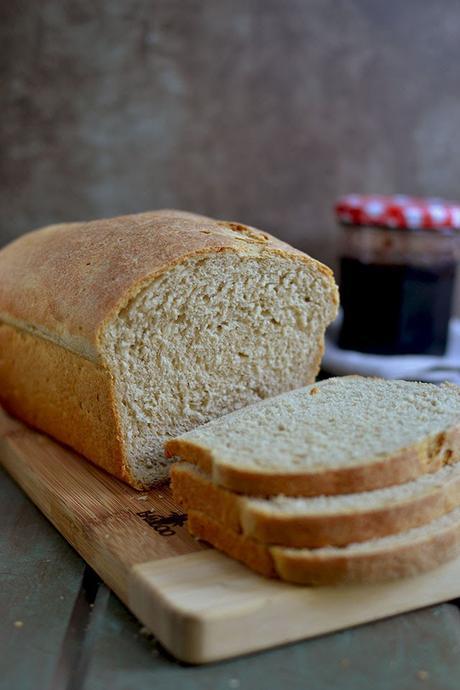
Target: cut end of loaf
(212,335)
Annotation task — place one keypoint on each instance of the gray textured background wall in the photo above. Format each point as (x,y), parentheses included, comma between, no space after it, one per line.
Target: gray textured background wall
(255,110)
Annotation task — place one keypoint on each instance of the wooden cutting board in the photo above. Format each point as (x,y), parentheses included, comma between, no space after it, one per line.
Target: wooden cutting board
(200,604)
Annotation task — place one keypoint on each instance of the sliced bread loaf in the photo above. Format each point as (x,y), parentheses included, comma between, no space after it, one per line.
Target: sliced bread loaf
(120,333)
(323,520)
(401,555)
(342,435)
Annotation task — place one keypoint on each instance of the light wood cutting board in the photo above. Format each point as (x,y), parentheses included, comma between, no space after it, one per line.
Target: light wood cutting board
(200,604)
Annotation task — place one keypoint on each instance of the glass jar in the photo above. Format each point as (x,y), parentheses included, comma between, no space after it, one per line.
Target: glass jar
(397,274)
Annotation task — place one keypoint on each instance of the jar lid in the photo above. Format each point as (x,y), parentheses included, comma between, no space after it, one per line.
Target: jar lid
(398,212)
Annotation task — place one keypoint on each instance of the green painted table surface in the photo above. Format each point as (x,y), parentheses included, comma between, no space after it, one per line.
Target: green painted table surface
(61,629)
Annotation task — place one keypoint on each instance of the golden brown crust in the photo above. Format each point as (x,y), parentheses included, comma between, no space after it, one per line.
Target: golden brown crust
(75,277)
(429,455)
(199,456)
(243,549)
(196,491)
(63,394)
(306,567)
(193,490)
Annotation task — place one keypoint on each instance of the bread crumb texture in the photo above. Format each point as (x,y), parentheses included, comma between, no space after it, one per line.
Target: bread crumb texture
(213,334)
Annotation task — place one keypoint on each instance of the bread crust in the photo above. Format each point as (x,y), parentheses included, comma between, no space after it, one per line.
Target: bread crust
(197,491)
(63,394)
(302,566)
(61,285)
(255,555)
(428,455)
(193,490)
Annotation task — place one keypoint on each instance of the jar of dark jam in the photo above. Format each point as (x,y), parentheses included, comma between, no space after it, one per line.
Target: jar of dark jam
(397,273)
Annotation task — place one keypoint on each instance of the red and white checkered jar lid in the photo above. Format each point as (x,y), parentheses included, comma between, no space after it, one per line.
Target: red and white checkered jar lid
(398,212)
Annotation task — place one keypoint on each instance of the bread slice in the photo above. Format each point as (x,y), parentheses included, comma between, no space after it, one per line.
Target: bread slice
(118,334)
(388,558)
(342,435)
(323,520)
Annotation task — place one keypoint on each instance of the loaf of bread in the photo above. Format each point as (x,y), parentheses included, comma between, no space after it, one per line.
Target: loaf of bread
(118,334)
(321,520)
(338,436)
